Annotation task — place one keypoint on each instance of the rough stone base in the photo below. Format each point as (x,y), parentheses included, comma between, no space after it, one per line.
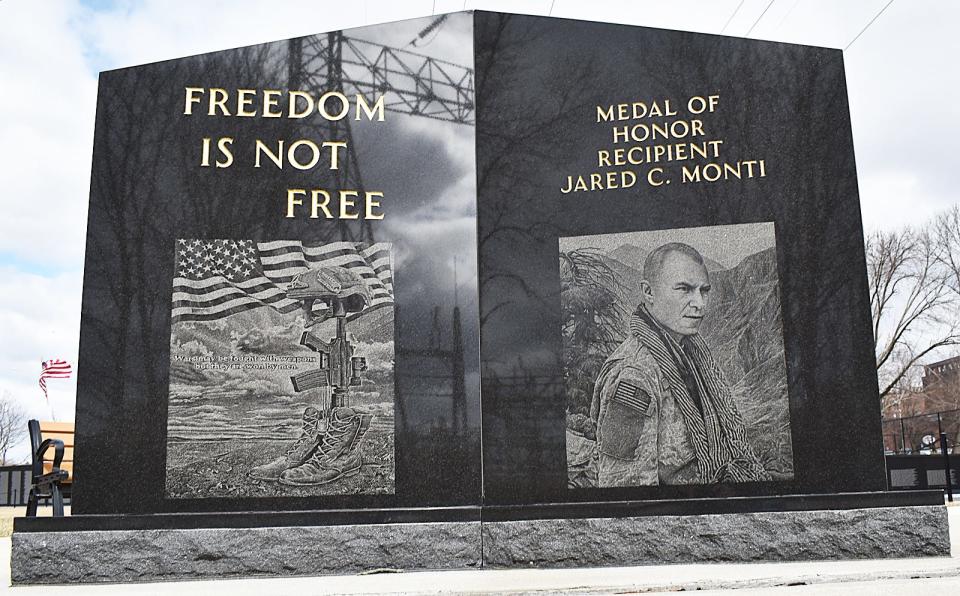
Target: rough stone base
(874,533)
(44,557)
(177,554)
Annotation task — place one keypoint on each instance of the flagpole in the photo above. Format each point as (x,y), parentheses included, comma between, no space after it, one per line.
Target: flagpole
(46,396)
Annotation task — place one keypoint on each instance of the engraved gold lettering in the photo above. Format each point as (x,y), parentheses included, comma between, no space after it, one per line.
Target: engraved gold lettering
(292,199)
(316,203)
(371,205)
(344,105)
(205,153)
(295,96)
(276,158)
(218,99)
(271,99)
(244,100)
(370,112)
(345,204)
(314,154)
(335,147)
(654,177)
(224,146)
(191,99)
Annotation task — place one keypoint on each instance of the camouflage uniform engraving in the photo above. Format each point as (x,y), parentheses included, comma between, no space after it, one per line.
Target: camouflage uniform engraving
(639,446)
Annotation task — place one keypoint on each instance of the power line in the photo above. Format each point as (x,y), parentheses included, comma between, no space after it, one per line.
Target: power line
(875,17)
(760,17)
(552,2)
(788,13)
(733,14)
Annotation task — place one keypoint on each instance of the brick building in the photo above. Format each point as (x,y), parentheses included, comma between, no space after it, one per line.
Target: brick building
(945,372)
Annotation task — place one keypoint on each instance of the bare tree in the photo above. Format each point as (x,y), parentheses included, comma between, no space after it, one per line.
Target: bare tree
(913,305)
(947,230)
(943,395)
(13,424)
(905,397)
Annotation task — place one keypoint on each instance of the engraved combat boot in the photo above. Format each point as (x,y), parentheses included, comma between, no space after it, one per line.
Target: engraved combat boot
(310,432)
(338,454)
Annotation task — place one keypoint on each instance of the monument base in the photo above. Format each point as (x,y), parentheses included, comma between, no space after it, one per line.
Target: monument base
(192,546)
(218,553)
(159,547)
(873,533)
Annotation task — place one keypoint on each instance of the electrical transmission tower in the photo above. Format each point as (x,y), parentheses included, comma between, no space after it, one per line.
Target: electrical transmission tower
(410,83)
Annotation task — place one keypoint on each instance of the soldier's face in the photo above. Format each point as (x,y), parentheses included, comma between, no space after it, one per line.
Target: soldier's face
(678,297)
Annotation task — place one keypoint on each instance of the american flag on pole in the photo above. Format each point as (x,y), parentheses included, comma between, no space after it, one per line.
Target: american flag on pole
(53,369)
(217,278)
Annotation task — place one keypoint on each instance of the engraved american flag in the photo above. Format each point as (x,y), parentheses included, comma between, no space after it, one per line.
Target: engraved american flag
(217,278)
(632,396)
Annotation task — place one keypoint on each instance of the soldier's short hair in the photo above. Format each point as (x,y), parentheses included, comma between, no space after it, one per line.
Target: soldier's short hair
(654,261)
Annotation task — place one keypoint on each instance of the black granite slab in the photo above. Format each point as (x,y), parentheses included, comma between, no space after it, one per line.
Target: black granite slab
(245,519)
(728,505)
(489,513)
(149,190)
(476,212)
(539,84)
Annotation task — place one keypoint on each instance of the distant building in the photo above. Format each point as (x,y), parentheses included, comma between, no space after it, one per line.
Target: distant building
(939,391)
(945,371)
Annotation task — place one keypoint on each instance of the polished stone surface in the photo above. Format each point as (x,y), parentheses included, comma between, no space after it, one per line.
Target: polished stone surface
(876,533)
(244,520)
(489,513)
(539,82)
(670,507)
(475,222)
(148,190)
(162,555)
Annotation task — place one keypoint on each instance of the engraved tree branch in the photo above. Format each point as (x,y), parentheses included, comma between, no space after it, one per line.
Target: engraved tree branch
(518,143)
(590,299)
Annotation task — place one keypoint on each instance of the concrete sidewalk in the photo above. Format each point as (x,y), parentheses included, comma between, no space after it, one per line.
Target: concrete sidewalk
(850,578)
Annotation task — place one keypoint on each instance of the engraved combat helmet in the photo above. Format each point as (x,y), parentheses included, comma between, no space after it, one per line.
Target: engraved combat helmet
(338,290)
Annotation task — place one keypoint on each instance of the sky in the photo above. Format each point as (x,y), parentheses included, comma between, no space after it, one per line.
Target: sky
(901,83)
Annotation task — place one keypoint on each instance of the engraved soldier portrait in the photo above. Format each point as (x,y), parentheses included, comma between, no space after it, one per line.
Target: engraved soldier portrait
(691,388)
(662,406)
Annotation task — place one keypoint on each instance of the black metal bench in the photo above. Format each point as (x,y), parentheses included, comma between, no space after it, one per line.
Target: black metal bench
(48,477)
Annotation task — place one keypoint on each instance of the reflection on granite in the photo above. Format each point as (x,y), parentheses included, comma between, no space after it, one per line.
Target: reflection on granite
(148,190)
(474,216)
(539,83)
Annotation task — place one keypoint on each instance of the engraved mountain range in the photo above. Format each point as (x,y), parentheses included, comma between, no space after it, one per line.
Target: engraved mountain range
(743,329)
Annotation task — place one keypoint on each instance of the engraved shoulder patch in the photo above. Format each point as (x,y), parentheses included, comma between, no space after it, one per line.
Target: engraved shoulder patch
(621,424)
(631,396)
